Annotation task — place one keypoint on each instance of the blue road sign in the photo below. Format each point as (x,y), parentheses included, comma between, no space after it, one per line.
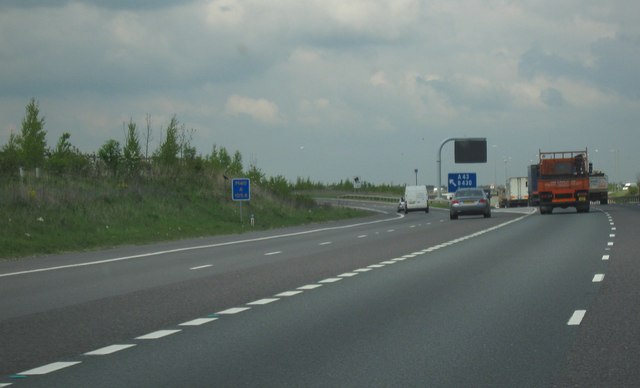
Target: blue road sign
(241,189)
(461,179)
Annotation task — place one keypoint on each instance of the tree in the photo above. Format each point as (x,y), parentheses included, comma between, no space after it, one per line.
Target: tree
(167,154)
(235,167)
(254,173)
(31,142)
(132,154)
(10,156)
(65,157)
(110,154)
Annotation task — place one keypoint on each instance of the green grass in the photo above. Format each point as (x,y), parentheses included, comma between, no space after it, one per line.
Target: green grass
(53,216)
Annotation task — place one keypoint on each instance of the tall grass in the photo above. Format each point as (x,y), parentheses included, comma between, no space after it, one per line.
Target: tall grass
(54,214)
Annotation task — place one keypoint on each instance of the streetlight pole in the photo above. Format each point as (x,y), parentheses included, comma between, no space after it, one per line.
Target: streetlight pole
(416,171)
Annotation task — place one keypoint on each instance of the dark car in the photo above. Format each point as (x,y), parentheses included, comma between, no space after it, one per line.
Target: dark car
(469,201)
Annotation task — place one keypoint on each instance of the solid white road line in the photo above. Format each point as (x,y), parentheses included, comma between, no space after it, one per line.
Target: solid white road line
(158,334)
(169,251)
(576,318)
(201,267)
(109,350)
(43,370)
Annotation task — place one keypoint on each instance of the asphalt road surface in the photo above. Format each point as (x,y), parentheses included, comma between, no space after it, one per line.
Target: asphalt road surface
(518,299)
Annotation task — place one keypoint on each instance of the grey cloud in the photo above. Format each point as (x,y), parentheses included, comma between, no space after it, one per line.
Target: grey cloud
(616,66)
(539,62)
(461,93)
(552,97)
(108,4)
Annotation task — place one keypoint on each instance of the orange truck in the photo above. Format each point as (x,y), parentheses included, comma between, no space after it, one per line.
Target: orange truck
(563,181)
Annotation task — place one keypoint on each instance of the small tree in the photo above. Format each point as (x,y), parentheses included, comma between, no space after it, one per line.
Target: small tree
(132,154)
(10,156)
(31,142)
(235,167)
(167,154)
(110,154)
(66,158)
(254,173)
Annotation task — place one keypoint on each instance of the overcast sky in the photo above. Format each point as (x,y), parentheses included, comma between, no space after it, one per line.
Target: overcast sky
(332,89)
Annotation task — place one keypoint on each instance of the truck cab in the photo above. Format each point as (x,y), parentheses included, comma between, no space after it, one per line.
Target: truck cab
(563,181)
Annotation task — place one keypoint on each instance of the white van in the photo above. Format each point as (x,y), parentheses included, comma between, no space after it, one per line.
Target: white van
(416,199)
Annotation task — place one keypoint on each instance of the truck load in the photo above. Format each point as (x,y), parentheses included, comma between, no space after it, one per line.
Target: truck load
(563,181)
(517,191)
(533,172)
(598,187)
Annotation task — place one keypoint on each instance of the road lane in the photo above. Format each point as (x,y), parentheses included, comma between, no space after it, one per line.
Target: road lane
(486,310)
(53,314)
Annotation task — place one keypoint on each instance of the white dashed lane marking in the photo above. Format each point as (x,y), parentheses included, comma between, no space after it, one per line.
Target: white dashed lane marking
(325,243)
(262,301)
(309,286)
(157,334)
(234,310)
(109,350)
(576,318)
(198,322)
(330,280)
(597,278)
(273,253)
(289,293)
(605,257)
(43,370)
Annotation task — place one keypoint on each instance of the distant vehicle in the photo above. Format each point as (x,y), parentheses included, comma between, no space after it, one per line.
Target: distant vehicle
(532,177)
(563,181)
(469,201)
(416,199)
(598,186)
(402,205)
(517,191)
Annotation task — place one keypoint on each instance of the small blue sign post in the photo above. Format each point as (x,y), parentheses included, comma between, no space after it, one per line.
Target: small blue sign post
(461,179)
(241,192)
(241,189)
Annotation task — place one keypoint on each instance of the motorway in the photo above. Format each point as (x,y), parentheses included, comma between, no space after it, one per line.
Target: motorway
(518,299)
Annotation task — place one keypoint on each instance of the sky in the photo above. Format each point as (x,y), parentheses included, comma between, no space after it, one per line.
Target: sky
(335,89)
